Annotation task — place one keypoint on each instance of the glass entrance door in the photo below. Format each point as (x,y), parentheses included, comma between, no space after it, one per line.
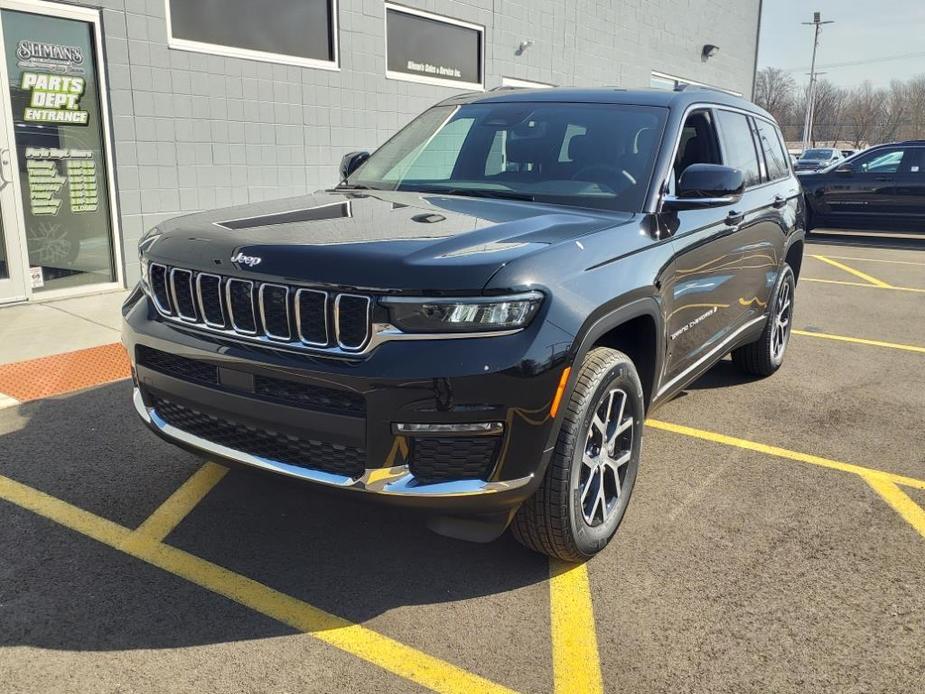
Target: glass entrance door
(12,275)
(53,97)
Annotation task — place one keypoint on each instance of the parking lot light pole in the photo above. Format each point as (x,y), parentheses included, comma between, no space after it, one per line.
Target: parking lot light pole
(811,95)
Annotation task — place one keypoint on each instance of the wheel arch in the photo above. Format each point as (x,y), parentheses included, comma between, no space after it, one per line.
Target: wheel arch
(636,329)
(794,257)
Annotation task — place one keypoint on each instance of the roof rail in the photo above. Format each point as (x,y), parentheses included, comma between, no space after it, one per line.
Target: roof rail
(684,86)
(501,87)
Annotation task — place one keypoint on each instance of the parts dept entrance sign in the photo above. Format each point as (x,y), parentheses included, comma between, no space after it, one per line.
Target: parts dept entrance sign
(54,98)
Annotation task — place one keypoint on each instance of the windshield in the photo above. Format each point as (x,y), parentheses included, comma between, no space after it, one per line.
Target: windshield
(588,155)
(816,154)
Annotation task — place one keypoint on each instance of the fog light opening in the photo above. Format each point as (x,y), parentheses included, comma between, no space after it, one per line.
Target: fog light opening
(467,428)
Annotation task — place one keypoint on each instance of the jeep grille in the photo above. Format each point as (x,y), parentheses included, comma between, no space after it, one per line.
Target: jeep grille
(269,312)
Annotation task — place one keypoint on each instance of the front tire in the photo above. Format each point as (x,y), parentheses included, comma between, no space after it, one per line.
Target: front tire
(765,355)
(584,495)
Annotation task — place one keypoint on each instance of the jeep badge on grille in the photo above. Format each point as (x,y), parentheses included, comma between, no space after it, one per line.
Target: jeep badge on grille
(249,260)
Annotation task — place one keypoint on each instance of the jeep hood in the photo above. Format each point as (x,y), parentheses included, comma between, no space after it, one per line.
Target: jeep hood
(379,240)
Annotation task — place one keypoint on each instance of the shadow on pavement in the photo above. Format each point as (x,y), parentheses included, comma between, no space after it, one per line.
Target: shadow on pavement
(59,589)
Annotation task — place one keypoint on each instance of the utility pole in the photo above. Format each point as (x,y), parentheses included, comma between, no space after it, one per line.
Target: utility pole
(811,105)
(811,95)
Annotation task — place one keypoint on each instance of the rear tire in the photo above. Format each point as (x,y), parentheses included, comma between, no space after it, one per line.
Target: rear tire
(765,355)
(587,486)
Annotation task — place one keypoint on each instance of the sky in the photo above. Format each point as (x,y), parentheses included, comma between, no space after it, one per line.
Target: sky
(881,39)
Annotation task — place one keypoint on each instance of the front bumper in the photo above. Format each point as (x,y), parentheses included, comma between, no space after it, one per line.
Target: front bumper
(496,379)
(394,481)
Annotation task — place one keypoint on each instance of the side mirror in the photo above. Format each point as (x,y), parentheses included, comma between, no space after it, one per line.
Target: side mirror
(707,185)
(351,162)
(845,169)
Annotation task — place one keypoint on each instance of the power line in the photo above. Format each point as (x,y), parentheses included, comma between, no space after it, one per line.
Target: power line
(853,63)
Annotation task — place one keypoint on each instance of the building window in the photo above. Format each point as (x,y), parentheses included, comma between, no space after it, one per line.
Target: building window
(299,32)
(662,80)
(428,48)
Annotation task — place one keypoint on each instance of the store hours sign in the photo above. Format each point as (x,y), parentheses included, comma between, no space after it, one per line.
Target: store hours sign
(423,47)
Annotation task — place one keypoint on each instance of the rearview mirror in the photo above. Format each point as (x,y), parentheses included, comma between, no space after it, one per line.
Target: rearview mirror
(707,185)
(845,169)
(351,162)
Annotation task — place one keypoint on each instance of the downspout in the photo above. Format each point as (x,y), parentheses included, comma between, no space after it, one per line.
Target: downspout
(757,41)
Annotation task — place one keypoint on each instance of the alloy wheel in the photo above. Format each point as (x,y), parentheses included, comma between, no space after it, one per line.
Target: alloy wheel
(604,461)
(780,332)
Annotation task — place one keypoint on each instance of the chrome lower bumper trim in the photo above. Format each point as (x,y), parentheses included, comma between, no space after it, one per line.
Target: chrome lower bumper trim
(392,481)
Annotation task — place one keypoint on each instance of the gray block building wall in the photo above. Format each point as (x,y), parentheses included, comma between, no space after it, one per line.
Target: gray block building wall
(194,131)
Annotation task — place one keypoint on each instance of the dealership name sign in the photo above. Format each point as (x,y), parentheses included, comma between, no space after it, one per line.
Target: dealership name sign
(49,56)
(429,69)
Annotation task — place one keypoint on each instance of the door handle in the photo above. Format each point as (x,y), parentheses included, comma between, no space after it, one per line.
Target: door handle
(779,201)
(884,179)
(4,163)
(734,218)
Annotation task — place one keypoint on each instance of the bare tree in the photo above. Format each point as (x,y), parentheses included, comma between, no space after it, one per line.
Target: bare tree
(865,113)
(915,99)
(774,91)
(829,112)
(895,110)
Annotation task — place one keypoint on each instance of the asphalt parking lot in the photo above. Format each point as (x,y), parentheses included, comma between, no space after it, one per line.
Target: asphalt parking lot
(776,542)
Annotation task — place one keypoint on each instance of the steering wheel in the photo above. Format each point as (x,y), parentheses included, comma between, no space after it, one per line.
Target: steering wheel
(613,175)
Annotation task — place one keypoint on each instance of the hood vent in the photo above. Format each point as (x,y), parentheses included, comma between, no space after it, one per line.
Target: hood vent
(334,210)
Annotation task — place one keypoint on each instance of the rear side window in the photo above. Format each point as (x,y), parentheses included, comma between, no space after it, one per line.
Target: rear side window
(774,155)
(738,145)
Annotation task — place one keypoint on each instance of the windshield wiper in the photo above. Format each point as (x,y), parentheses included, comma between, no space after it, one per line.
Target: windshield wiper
(478,193)
(358,186)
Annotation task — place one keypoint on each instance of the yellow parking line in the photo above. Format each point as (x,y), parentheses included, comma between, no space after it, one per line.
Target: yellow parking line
(857,273)
(875,260)
(391,655)
(787,454)
(863,284)
(911,512)
(575,660)
(860,341)
(169,514)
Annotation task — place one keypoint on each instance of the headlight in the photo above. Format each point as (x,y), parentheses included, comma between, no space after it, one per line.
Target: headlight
(147,240)
(468,315)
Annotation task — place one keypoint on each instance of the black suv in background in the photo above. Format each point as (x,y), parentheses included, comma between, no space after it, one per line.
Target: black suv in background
(879,186)
(818,158)
(476,321)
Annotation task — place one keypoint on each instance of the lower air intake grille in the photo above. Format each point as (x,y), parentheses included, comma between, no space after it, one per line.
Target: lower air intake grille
(441,459)
(264,443)
(176,366)
(310,397)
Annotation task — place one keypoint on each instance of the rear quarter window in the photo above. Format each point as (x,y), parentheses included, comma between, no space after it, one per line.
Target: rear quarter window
(738,145)
(774,155)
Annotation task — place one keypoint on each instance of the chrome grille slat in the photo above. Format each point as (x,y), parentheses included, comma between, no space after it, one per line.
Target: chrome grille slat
(205,303)
(160,288)
(183,296)
(319,328)
(230,286)
(272,314)
(351,321)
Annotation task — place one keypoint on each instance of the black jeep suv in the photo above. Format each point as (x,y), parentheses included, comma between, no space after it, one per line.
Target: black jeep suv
(477,319)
